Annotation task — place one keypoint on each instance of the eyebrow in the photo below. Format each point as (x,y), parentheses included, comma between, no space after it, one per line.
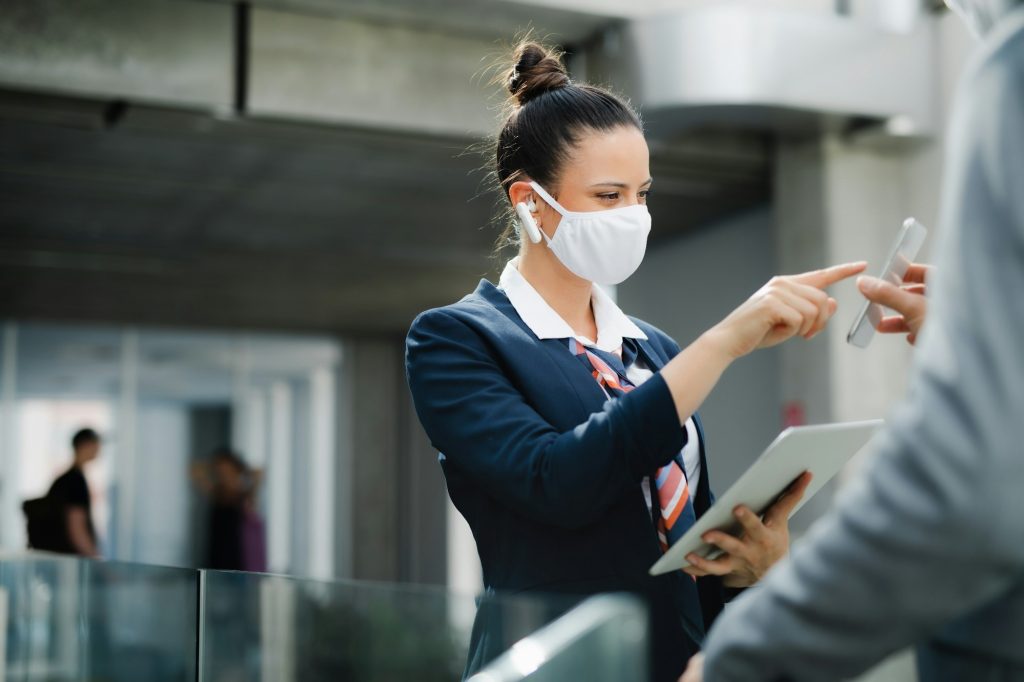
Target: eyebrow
(620,185)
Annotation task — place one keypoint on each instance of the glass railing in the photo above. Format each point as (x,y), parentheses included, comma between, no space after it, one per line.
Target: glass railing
(69,619)
(262,627)
(66,618)
(604,639)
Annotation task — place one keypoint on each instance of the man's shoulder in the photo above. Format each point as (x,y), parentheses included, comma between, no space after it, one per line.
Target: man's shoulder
(1001,57)
(70,481)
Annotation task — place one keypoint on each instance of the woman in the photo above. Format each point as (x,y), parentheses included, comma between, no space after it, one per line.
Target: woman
(235,536)
(568,431)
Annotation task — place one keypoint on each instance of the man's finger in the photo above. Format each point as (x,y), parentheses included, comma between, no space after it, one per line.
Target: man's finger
(723,565)
(917,273)
(753,527)
(829,276)
(894,324)
(784,506)
(729,544)
(889,295)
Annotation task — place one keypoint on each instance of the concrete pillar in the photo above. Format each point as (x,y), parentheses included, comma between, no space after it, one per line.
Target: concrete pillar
(9,502)
(322,448)
(390,492)
(279,478)
(126,461)
(839,201)
(836,201)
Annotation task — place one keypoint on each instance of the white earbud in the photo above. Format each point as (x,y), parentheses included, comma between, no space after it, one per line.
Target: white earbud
(529,225)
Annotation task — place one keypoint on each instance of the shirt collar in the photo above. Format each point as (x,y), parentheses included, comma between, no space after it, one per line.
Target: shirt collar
(612,324)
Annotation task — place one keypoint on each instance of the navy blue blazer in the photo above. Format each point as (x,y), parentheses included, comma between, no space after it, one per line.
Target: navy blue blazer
(546,469)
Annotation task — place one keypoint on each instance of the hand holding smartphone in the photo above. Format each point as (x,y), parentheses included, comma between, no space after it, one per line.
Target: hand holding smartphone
(908,243)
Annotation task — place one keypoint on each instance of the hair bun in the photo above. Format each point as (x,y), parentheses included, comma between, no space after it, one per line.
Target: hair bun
(537,70)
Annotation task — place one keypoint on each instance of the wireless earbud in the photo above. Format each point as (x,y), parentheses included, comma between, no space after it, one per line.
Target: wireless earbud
(529,225)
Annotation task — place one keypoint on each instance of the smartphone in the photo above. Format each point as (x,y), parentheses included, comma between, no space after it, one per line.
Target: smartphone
(904,251)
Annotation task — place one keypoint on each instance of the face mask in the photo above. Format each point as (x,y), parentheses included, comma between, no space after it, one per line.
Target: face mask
(601,246)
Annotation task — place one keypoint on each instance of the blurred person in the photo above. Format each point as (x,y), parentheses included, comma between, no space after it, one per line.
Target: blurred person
(70,498)
(568,432)
(925,546)
(235,535)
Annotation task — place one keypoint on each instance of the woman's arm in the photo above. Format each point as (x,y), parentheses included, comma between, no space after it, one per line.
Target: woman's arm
(783,308)
(481,423)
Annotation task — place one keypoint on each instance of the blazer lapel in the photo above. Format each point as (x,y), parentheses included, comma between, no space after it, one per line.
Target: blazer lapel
(651,357)
(589,392)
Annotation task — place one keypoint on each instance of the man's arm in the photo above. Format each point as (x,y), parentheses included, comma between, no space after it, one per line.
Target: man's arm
(78,531)
(931,530)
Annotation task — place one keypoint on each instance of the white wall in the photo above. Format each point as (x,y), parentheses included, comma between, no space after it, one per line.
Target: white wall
(686,286)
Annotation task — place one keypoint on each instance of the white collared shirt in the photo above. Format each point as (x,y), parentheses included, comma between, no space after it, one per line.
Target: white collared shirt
(612,327)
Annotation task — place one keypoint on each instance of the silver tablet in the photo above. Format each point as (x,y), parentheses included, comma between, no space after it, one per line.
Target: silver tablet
(904,251)
(820,449)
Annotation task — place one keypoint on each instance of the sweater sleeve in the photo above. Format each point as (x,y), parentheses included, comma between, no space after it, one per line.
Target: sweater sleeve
(931,530)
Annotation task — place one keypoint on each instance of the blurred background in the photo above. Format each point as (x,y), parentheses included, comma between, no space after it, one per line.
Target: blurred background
(218,219)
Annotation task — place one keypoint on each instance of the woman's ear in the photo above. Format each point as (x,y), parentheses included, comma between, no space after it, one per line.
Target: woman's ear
(522,193)
(525,206)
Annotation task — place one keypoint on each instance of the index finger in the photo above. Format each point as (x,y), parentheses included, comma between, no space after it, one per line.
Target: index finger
(829,276)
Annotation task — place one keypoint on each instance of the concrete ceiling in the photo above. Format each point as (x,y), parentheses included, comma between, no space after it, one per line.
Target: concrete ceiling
(120,213)
(558,20)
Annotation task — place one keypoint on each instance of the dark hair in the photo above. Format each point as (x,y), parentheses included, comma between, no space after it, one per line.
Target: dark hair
(549,113)
(84,437)
(229,456)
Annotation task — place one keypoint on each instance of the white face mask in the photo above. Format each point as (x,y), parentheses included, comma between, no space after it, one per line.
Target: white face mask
(601,246)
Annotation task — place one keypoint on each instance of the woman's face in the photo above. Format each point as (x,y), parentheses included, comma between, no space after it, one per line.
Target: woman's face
(607,169)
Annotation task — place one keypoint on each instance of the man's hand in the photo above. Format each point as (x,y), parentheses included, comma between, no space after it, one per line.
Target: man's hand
(763,543)
(909,301)
(694,670)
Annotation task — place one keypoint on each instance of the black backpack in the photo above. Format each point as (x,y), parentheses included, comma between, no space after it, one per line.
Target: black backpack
(46,524)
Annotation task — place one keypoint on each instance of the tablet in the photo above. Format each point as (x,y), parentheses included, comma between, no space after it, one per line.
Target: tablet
(821,449)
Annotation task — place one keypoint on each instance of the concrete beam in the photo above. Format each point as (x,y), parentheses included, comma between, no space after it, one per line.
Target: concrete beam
(371,74)
(178,53)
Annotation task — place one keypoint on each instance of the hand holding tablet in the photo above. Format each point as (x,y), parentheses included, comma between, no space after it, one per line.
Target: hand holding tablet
(764,541)
(820,450)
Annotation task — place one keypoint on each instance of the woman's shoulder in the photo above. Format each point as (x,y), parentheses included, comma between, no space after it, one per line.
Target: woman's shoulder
(473,319)
(471,307)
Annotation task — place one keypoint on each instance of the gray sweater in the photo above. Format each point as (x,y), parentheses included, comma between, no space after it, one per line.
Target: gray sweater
(928,543)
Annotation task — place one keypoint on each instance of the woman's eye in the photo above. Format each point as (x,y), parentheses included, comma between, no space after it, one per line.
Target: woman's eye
(610,196)
(644,193)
